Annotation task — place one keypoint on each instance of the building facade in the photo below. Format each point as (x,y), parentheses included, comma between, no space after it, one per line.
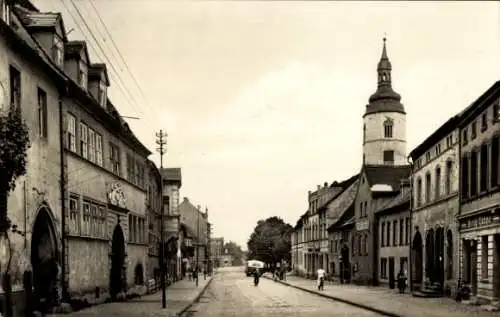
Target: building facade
(197,223)
(154,210)
(217,248)
(32,81)
(107,186)
(174,236)
(394,236)
(340,213)
(479,215)
(435,210)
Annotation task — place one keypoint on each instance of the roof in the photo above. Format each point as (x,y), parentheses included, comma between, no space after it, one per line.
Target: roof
(39,19)
(96,69)
(342,223)
(338,206)
(390,175)
(342,186)
(479,104)
(398,201)
(450,125)
(171,174)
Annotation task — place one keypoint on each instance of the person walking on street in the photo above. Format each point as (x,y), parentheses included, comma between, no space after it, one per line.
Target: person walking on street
(321,279)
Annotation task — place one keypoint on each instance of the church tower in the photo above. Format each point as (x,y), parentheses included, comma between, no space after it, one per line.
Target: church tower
(384,121)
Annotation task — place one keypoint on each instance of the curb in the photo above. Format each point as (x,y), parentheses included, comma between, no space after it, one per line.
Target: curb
(196,299)
(345,301)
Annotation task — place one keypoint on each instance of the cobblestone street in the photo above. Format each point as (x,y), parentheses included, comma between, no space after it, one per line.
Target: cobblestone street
(231,293)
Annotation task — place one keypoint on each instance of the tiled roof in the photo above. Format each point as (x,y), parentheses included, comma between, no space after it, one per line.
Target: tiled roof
(338,206)
(397,201)
(171,173)
(387,175)
(342,186)
(37,19)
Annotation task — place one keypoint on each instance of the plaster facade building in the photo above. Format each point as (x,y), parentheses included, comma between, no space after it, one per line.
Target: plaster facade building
(384,165)
(107,186)
(154,210)
(394,236)
(479,215)
(340,213)
(197,223)
(434,211)
(174,236)
(217,248)
(32,81)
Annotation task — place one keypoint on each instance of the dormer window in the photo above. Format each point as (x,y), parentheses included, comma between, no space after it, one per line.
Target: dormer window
(102,94)
(57,51)
(82,75)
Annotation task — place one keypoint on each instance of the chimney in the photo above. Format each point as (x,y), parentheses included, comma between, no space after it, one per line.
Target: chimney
(309,192)
(186,199)
(326,184)
(319,187)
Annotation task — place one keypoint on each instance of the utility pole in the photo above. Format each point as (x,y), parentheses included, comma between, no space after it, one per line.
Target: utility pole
(162,142)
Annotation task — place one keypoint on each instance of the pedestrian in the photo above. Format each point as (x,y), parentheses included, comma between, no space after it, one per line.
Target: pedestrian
(321,279)
(401,281)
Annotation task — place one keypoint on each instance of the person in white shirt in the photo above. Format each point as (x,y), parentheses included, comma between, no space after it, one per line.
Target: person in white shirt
(321,279)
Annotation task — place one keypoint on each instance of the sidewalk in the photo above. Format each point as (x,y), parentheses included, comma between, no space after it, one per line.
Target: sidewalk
(388,302)
(180,296)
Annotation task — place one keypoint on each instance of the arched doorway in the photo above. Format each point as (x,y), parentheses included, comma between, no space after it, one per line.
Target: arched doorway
(429,254)
(438,271)
(139,274)
(417,259)
(44,261)
(117,278)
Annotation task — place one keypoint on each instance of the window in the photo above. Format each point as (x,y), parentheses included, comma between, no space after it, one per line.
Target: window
(130,169)
(428,188)
(83,140)
(394,232)
(464,136)
(388,128)
(102,94)
(94,220)
(137,173)
(366,208)
(42,113)
(419,192)
(86,219)
(383,268)
(438,149)
(91,145)
(473,132)
(495,161)
(427,157)
(449,254)
(484,122)
(473,173)
(82,75)
(401,232)
(438,182)
(382,232)
(361,209)
(483,168)
(496,113)
(449,175)
(388,239)
(389,157)
(114,157)
(403,264)
(5,11)
(364,133)
(407,230)
(15,88)
(98,148)
(74,216)
(484,257)
(57,51)
(71,133)
(449,141)
(102,222)
(465,177)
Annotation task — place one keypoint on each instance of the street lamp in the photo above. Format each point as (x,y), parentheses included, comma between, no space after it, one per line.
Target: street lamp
(162,150)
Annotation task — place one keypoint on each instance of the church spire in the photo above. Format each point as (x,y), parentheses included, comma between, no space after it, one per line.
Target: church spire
(384,68)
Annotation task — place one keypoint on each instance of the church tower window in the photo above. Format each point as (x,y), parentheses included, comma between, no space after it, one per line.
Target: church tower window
(389,157)
(388,125)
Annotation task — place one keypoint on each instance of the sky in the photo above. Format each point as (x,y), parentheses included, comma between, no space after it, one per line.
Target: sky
(263,100)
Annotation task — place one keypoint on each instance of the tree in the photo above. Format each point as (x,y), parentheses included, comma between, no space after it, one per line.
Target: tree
(270,241)
(235,251)
(14,144)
